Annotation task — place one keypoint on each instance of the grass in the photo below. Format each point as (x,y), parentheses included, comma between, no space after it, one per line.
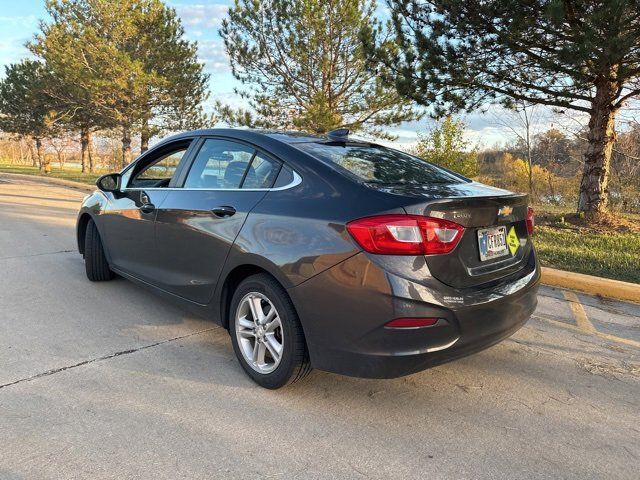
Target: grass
(67,173)
(597,251)
(612,256)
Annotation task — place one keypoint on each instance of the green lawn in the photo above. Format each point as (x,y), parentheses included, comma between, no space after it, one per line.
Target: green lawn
(68,173)
(614,256)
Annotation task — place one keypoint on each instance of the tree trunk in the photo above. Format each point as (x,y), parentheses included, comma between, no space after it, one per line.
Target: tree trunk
(597,159)
(126,146)
(34,160)
(85,137)
(60,158)
(91,152)
(21,151)
(530,162)
(144,136)
(42,159)
(12,152)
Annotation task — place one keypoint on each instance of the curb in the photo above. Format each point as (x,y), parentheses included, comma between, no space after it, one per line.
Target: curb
(50,180)
(603,287)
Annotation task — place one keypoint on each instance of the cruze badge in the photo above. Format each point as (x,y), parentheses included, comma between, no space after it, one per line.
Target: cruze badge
(505,211)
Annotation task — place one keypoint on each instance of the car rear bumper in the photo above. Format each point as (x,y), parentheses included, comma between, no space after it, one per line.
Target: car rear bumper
(344,310)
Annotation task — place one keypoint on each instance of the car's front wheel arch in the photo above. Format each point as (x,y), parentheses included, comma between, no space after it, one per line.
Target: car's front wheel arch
(96,263)
(81,231)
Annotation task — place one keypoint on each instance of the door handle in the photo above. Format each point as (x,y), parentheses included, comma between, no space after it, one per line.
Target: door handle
(224,211)
(147,208)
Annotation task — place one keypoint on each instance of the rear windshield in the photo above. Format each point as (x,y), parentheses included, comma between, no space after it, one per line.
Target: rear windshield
(380,165)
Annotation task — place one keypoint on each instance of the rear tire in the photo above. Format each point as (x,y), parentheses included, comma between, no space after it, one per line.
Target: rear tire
(95,262)
(281,359)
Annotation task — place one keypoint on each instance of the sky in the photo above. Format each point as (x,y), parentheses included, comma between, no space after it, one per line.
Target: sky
(201,20)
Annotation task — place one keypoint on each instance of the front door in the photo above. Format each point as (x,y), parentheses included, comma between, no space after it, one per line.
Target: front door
(130,218)
(197,224)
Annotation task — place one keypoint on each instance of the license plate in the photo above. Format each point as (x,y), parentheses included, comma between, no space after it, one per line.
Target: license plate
(492,243)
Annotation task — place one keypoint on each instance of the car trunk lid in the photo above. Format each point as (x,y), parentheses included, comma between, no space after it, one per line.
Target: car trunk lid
(488,214)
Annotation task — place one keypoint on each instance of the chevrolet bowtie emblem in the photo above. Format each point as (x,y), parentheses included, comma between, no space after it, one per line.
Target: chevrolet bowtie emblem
(505,211)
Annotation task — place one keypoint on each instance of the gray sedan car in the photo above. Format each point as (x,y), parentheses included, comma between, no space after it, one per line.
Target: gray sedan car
(317,251)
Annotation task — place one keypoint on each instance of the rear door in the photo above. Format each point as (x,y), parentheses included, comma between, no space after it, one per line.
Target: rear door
(129,222)
(200,219)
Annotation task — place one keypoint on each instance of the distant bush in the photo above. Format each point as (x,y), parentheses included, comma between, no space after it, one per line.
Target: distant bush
(512,173)
(445,146)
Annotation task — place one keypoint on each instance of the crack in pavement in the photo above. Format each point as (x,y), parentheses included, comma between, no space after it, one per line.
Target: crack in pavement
(104,357)
(37,254)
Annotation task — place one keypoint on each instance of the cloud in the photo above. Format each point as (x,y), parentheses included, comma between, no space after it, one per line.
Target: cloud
(230,98)
(16,31)
(26,21)
(202,15)
(213,55)
(12,51)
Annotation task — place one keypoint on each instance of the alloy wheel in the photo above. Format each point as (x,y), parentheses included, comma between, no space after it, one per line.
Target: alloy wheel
(259,332)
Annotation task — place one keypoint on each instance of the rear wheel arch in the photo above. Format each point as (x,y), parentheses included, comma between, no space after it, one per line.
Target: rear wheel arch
(285,356)
(231,282)
(240,268)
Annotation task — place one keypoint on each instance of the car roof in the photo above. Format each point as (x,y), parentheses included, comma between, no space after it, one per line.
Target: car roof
(284,136)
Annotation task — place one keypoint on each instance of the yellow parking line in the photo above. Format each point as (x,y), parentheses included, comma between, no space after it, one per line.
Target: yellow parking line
(613,338)
(578,312)
(606,336)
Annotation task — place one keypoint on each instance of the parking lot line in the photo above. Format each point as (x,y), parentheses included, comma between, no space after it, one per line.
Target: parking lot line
(613,338)
(578,312)
(606,336)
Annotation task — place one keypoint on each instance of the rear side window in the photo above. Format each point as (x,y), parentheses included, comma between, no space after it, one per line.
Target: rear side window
(219,164)
(285,177)
(261,173)
(380,165)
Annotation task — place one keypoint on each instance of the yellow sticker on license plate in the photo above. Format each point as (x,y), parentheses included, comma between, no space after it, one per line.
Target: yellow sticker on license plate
(513,241)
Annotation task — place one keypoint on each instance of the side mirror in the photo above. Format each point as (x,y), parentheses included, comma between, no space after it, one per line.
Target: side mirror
(109,182)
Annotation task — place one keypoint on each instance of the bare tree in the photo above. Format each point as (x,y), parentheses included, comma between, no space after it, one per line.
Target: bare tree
(61,145)
(523,120)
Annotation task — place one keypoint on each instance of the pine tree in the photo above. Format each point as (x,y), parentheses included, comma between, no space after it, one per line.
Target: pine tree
(25,109)
(121,64)
(304,68)
(174,103)
(582,55)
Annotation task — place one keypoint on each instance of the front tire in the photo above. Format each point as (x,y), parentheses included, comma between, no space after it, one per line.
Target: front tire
(95,262)
(266,333)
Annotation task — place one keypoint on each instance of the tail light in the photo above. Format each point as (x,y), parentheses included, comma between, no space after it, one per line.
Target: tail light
(405,234)
(530,220)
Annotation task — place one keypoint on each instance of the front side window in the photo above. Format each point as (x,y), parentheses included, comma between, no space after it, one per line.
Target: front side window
(379,165)
(220,164)
(159,172)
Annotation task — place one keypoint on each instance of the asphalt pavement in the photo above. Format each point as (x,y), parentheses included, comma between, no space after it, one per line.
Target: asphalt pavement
(107,380)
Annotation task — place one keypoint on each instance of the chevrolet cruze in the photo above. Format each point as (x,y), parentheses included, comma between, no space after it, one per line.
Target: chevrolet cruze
(317,251)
